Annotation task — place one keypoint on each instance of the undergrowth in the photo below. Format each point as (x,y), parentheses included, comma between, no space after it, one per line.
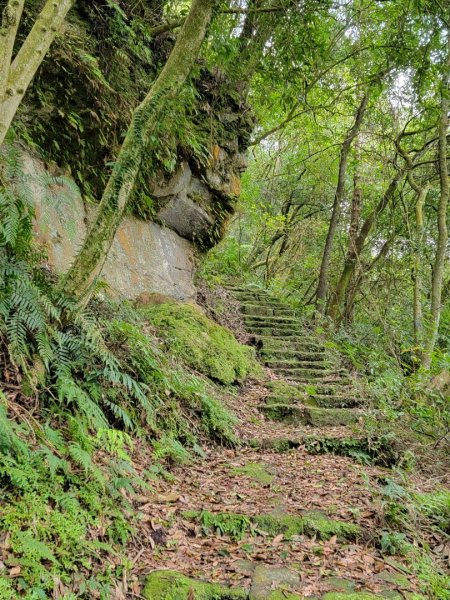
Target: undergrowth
(80,390)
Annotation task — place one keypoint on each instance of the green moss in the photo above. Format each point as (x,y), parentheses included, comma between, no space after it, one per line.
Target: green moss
(255,471)
(283,595)
(282,388)
(202,344)
(351,596)
(232,524)
(170,585)
(314,523)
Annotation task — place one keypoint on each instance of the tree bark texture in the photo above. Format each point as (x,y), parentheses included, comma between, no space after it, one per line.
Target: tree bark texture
(16,75)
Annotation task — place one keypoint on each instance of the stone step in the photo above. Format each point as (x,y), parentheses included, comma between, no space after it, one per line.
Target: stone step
(270,321)
(262,310)
(313,371)
(321,401)
(324,389)
(310,415)
(256,297)
(281,332)
(282,354)
(316,381)
(335,400)
(302,364)
(290,342)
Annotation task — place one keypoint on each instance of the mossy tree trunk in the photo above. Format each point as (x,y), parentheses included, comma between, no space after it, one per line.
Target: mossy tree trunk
(417,265)
(322,285)
(16,74)
(138,140)
(442,241)
(337,296)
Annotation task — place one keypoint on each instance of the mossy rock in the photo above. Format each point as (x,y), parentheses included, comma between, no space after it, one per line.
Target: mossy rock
(202,344)
(171,585)
(273,583)
(313,524)
(256,471)
(276,444)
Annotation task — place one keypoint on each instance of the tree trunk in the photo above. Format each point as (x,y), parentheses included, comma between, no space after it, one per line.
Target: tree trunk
(138,140)
(354,253)
(322,286)
(337,297)
(441,249)
(16,76)
(417,267)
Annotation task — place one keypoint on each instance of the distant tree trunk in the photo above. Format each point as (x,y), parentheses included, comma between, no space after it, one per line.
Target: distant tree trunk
(417,266)
(441,249)
(322,286)
(337,296)
(90,260)
(16,75)
(355,251)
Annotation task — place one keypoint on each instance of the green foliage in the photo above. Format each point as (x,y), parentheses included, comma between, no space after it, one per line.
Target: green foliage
(101,383)
(312,524)
(203,345)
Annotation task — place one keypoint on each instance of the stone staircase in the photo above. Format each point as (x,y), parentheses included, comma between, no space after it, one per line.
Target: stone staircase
(267,539)
(310,388)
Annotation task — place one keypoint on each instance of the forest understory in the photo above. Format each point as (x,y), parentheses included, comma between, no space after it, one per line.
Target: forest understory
(224,299)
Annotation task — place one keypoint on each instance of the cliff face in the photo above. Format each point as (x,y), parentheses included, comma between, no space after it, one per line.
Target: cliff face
(187,189)
(191,208)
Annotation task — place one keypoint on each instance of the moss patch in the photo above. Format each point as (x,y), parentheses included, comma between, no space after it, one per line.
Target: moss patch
(203,345)
(170,585)
(351,596)
(313,523)
(255,471)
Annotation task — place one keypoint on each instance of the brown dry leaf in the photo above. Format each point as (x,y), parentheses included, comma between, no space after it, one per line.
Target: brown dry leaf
(277,540)
(15,571)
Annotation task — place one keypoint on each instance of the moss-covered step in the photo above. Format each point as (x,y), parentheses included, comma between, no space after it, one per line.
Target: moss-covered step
(310,415)
(334,400)
(311,523)
(379,451)
(316,400)
(171,585)
(300,364)
(300,372)
(257,310)
(274,583)
(281,387)
(276,331)
(291,354)
(323,389)
(291,342)
(278,444)
(272,320)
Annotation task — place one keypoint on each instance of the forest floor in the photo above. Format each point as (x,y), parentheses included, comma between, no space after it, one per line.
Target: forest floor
(290,482)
